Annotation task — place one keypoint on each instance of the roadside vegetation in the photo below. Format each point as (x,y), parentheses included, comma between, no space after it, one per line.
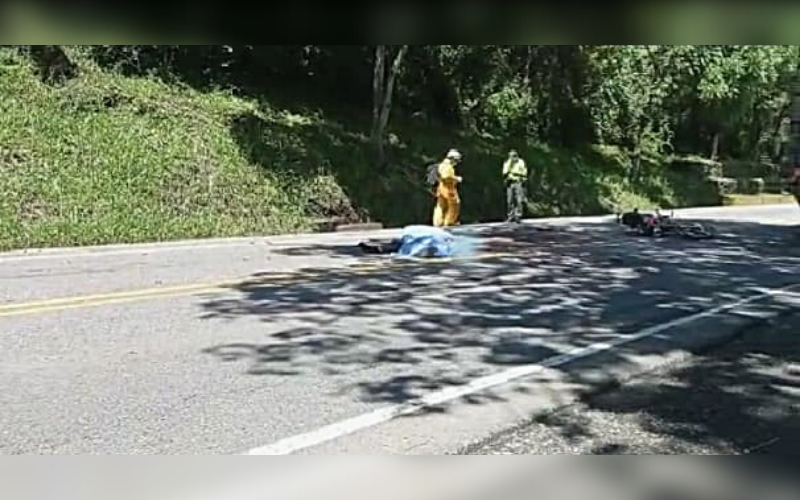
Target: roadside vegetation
(144,143)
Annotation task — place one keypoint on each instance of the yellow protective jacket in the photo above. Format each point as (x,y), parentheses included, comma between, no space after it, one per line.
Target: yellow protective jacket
(448,181)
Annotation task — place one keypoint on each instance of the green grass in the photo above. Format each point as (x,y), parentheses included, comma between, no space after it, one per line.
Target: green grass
(106,158)
(759,199)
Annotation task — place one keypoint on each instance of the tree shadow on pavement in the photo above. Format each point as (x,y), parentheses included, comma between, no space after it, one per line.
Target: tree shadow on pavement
(745,395)
(397,331)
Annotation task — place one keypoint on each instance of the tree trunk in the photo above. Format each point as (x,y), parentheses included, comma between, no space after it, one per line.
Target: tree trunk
(528,64)
(383,90)
(386,108)
(715,146)
(52,62)
(777,143)
(637,160)
(378,76)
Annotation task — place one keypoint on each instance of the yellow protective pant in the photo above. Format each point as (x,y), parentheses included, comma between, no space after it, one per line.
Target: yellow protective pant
(446,211)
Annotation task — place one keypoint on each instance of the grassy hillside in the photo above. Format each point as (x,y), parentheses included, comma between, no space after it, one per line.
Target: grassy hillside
(107,158)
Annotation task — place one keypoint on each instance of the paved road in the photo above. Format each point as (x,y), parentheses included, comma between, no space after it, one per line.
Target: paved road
(740,398)
(300,344)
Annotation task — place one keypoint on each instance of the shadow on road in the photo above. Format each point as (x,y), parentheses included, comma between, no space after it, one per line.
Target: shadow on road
(392,334)
(746,395)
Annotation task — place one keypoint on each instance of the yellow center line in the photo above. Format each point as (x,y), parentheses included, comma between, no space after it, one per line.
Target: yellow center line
(83,301)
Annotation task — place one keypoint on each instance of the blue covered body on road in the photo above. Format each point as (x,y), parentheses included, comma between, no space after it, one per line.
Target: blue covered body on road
(426,241)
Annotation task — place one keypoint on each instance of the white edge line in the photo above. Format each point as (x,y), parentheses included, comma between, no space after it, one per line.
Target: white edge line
(156,248)
(350,426)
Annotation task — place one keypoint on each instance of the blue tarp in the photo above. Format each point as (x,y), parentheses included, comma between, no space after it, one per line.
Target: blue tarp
(426,241)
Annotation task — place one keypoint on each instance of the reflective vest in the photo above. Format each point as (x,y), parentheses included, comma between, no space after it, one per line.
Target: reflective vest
(515,170)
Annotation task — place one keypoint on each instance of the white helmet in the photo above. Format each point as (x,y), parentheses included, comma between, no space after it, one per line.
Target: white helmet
(453,154)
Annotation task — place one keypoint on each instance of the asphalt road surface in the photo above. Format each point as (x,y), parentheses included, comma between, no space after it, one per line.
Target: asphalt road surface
(739,398)
(300,344)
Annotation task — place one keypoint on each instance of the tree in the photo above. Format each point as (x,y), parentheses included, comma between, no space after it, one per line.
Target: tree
(718,100)
(383,83)
(631,84)
(52,62)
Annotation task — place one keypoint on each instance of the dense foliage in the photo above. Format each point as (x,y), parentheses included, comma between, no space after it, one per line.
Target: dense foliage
(718,101)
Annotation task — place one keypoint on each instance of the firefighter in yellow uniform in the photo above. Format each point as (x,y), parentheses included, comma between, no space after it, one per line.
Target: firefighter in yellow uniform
(448,204)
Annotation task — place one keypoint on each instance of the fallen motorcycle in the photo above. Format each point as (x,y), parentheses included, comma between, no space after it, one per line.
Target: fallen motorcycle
(657,225)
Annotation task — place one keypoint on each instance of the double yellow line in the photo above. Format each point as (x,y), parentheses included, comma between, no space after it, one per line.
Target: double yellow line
(51,305)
